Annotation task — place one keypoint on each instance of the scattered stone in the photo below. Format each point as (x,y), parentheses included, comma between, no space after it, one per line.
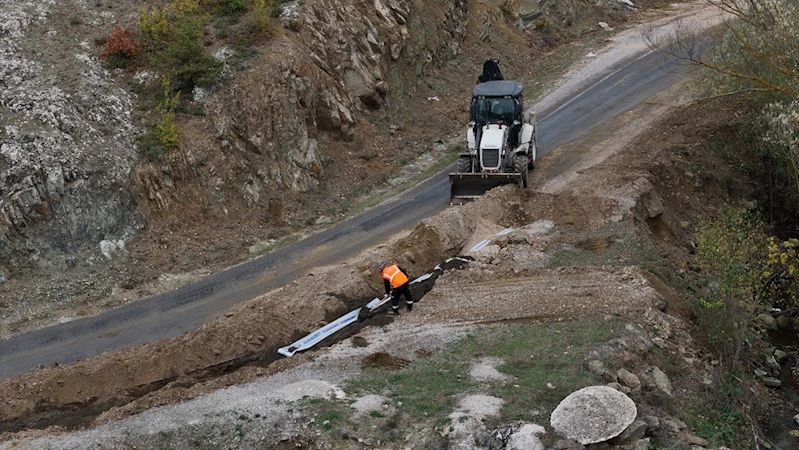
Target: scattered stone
(766,321)
(634,432)
(593,414)
(662,381)
(605,26)
(526,438)
(796,419)
(371,403)
(628,378)
(780,356)
(771,382)
(652,422)
(567,444)
(772,363)
(596,367)
(675,425)
(618,387)
(696,440)
(783,323)
(110,249)
(760,373)
(641,444)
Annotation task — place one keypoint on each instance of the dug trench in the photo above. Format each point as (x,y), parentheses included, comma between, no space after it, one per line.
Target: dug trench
(80,414)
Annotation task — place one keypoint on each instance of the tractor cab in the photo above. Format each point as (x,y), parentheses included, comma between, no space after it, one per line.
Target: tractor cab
(498,103)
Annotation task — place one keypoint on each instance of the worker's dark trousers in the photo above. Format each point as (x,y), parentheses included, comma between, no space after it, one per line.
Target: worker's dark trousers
(405,290)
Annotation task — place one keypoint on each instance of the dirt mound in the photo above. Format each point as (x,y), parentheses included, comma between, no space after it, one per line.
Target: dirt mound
(384,360)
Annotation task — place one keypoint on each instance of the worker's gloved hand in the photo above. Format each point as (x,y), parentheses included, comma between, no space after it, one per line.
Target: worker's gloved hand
(385,297)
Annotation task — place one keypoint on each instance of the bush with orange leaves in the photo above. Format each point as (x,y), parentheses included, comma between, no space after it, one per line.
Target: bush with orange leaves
(120,44)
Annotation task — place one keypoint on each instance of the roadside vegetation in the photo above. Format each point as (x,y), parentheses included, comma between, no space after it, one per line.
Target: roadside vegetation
(748,254)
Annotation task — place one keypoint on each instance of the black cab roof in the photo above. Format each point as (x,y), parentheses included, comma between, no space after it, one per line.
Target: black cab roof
(500,88)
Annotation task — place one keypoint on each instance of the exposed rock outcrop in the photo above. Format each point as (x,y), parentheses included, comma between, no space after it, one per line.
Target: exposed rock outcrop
(70,174)
(67,140)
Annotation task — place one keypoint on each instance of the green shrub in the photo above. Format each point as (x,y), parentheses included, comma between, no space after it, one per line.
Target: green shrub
(235,7)
(783,272)
(174,36)
(732,254)
(166,130)
(165,134)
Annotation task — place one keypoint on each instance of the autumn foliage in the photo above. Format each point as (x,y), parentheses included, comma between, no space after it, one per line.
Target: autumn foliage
(120,43)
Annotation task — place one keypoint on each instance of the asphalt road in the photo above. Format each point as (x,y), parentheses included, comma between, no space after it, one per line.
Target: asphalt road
(171,314)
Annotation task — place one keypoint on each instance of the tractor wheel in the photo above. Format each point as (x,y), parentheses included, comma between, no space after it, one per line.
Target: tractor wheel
(520,165)
(464,164)
(533,155)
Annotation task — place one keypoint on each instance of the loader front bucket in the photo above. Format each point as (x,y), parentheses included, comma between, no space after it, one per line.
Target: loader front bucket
(469,186)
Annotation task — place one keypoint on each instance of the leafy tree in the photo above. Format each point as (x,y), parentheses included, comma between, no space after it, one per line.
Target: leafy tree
(756,54)
(173,33)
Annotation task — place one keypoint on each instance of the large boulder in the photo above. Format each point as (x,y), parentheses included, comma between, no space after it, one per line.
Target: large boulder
(593,414)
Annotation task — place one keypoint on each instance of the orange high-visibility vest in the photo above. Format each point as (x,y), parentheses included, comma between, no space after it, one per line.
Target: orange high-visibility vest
(394,276)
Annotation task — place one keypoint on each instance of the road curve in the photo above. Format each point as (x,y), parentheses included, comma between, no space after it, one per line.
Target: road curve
(167,315)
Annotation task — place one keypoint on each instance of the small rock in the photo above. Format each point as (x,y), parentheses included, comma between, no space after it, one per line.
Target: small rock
(628,378)
(605,26)
(526,438)
(783,323)
(766,321)
(596,367)
(771,382)
(780,356)
(772,363)
(675,425)
(634,432)
(696,440)
(567,444)
(685,225)
(641,444)
(760,373)
(652,422)
(796,419)
(619,387)
(662,381)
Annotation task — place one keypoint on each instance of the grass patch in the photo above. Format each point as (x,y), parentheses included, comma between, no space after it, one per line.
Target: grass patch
(571,257)
(545,361)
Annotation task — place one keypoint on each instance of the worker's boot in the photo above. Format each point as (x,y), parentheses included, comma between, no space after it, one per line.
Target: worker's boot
(393,312)
(409,307)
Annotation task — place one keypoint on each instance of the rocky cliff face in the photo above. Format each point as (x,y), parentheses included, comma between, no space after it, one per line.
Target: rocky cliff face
(66,137)
(70,175)
(311,85)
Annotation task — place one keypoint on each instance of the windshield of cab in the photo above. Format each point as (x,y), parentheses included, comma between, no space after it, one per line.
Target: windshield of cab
(492,110)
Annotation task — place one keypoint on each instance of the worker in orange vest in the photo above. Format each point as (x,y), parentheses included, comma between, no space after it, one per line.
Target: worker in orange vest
(396,282)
